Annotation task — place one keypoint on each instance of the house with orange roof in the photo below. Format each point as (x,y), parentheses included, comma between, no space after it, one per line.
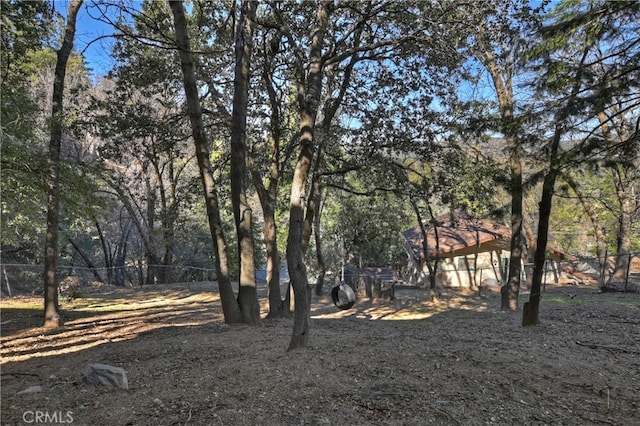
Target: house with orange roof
(470,251)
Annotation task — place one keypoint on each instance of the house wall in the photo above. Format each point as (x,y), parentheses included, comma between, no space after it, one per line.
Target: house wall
(470,271)
(454,272)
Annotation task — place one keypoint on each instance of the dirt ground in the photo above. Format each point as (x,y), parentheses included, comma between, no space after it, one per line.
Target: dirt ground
(455,361)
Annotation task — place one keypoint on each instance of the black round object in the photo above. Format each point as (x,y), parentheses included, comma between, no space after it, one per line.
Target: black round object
(343,296)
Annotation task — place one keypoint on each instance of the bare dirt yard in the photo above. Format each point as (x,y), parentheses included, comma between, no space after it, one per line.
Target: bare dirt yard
(410,361)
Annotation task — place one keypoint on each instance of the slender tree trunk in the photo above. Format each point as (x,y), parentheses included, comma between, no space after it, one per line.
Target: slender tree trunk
(86,260)
(322,269)
(502,81)
(167,217)
(433,267)
(268,195)
(433,271)
(106,250)
(247,294)
(331,105)
(531,242)
(510,298)
(532,307)
(273,266)
(628,209)
(119,261)
(308,94)
(295,258)
(625,176)
(268,203)
(312,216)
(314,195)
(52,315)
(154,272)
(230,307)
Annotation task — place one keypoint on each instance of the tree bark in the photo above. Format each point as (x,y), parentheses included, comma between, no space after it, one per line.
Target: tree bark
(322,268)
(532,307)
(517,242)
(314,195)
(502,81)
(86,259)
(247,293)
(308,96)
(268,202)
(331,105)
(628,209)
(52,315)
(106,251)
(625,176)
(119,260)
(509,300)
(433,268)
(230,307)
(268,194)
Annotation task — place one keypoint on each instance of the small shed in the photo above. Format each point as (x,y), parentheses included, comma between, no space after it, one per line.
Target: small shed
(470,251)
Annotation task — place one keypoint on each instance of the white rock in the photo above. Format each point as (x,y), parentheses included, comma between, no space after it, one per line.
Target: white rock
(30,389)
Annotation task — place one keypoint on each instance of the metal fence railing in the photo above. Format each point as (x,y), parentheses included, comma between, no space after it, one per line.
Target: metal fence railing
(26,279)
(617,273)
(613,272)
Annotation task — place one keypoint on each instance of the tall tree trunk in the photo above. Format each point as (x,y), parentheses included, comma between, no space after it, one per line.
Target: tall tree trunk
(308,96)
(295,258)
(433,267)
(312,216)
(247,294)
(315,194)
(230,307)
(628,208)
(625,176)
(509,299)
(276,308)
(322,269)
(502,81)
(52,316)
(268,203)
(167,217)
(532,307)
(268,195)
(331,105)
(154,270)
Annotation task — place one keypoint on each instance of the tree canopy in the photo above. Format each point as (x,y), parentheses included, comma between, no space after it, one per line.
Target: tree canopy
(314,131)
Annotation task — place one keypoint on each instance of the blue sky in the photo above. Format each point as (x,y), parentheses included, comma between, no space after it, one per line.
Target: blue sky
(89,30)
